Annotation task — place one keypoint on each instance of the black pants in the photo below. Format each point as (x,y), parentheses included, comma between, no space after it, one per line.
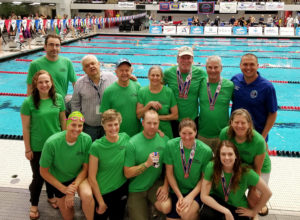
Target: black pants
(37,182)
(175,125)
(116,204)
(209,213)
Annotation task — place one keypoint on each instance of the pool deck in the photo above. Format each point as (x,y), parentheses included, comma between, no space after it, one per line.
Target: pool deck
(15,176)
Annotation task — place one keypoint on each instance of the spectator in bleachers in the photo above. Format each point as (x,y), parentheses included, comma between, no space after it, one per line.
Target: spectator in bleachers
(232,20)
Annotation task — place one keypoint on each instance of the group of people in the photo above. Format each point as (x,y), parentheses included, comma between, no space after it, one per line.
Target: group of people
(127,145)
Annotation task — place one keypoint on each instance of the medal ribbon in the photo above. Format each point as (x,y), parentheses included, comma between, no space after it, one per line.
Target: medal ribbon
(184,87)
(226,190)
(187,168)
(212,101)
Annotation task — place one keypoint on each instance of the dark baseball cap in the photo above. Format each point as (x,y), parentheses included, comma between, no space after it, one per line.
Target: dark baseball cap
(123,60)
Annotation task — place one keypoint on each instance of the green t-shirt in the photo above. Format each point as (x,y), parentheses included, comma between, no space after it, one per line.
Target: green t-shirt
(211,122)
(44,121)
(61,70)
(166,98)
(123,100)
(137,153)
(248,150)
(236,198)
(203,155)
(65,161)
(187,107)
(110,175)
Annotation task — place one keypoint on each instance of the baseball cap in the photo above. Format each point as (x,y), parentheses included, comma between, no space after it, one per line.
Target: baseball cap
(123,60)
(185,51)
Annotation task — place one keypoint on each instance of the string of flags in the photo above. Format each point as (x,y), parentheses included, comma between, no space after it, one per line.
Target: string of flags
(60,24)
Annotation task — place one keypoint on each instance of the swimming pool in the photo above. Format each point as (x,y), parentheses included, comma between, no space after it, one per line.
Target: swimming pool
(279,61)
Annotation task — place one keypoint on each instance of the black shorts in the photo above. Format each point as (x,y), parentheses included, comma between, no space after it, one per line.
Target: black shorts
(58,193)
(173,213)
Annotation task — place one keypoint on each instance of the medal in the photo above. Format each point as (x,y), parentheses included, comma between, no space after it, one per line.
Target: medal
(187,167)
(212,100)
(226,189)
(184,87)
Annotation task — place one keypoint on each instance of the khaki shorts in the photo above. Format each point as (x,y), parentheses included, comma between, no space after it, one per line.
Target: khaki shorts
(138,202)
(212,142)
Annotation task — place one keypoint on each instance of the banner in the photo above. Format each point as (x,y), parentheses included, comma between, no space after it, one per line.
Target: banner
(286,31)
(188,6)
(228,7)
(255,31)
(271,31)
(155,29)
(174,6)
(183,30)
(126,4)
(297,30)
(169,30)
(245,6)
(239,30)
(275,6)
(165,6)
(210,30)
(224,30)
(261,6)
(197,30)
(206,7)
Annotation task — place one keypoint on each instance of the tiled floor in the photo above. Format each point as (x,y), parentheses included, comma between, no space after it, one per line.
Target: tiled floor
(15,176)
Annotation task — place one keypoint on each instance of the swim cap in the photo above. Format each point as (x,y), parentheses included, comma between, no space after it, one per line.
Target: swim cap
(74,116)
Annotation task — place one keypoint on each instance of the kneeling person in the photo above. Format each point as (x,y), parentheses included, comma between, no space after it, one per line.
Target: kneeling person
(141,166)
(64,164)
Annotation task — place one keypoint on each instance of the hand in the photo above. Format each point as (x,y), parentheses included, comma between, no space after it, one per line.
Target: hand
(162,193)
(246,212)
(133,77)
(29,155)
(69,201)
(154,104)
(162,134)
(253,197)
(71,189)
(184,203)
(228,215)
(101,208)
(149,161)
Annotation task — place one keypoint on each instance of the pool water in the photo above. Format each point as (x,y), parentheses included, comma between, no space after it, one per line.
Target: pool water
(279,60)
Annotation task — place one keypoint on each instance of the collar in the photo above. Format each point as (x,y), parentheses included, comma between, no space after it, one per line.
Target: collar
(254,82)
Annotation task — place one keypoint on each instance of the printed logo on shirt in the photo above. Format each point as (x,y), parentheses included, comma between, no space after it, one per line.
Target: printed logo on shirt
(122,147)
(134,94)
(62,69)
(159,148)
(79,153)
(253,94)
(236,87)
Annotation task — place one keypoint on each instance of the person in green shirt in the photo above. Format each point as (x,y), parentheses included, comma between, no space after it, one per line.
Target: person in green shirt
(251,146)
(60,68)
(42,114)
(64,164)
(214,97)
(143,166)
(184,80)
(122,96)
(160,98)
(106,176)
(225,182)
(186,158)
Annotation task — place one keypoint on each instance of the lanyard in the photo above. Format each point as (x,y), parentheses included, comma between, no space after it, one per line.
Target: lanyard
(212,100)
(226,190)
(96,88)
(184,87)
(187,168)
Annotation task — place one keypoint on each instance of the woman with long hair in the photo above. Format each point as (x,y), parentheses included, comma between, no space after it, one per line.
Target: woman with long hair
(106,176)
(225,182)
(160,98)
(42,114)
(251,146)
(186,159)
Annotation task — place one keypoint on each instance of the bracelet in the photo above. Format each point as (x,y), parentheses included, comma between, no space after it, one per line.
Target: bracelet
(26,152)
